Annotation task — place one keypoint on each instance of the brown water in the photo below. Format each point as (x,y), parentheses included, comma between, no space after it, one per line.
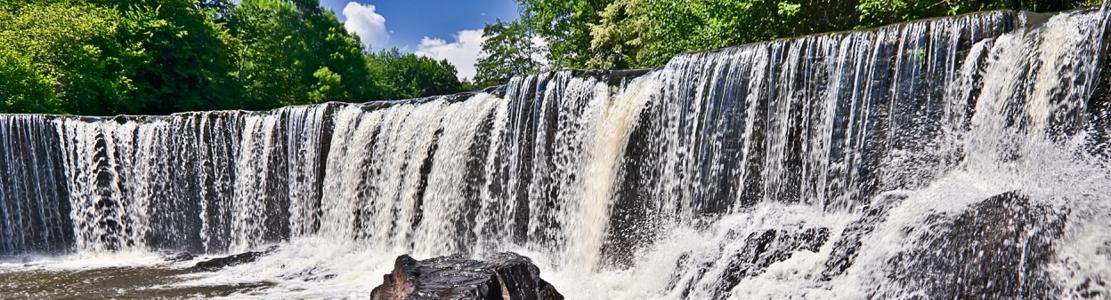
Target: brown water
(151,282)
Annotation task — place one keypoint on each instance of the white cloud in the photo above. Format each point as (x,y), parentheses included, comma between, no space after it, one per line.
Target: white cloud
(365,22)
(462,53)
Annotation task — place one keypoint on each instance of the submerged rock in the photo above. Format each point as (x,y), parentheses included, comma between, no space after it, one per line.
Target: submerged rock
(761,249)
(847,247)
(997,248)
(216,264)
(178,256)
(502,276)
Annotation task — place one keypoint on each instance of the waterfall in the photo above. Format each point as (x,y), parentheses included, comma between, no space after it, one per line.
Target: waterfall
(747,171)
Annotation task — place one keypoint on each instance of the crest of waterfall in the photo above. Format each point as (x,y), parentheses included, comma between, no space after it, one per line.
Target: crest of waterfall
(747,172)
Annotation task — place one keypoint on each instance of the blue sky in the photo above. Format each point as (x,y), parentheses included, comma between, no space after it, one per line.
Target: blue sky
(408,21)
(441,29)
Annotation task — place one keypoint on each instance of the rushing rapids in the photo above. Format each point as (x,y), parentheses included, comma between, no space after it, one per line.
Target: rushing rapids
(913,159)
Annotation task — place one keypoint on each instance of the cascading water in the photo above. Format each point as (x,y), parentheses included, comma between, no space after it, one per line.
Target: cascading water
(858,164)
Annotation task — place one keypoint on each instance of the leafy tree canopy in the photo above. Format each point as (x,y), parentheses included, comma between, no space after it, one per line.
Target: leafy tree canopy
(646,33)
(406,75)
(104,57)
(509,50)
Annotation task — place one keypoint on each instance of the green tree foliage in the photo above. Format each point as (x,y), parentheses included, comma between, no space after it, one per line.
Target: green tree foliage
(288,55)
(406,75)
(565,24)
(221,10)
(22,88)
(879,12)
(328,86)
(104,57)
(75,50)
(108,57)
(509,51)
(186,59)
(646,33)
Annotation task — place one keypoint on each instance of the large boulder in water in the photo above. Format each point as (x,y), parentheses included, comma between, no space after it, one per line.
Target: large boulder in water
(216,264)
(997,248)
(502,276)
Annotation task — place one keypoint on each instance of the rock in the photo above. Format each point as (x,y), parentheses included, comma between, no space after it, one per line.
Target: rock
(178,256)
(761,250)
(315,273)
(216,264)
(1091,288)
(502,276)
(846,248)
(997,248)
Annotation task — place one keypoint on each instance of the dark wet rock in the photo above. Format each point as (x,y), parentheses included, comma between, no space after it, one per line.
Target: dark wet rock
(997,248)
(1094,286)
(502,276)
(847,247)
(311,274)
(1091,288)
(1099,111)
(178,256)
(216,264)
(761,250)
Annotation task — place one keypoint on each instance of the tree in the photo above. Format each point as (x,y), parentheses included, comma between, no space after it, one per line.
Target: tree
(24,89)
(73,47)
(565,24)
(220,10)
(507,51)
(879,12)
(308,7)
(328,86)
(407,75)
(288,55)
(187,58)
(622,38)
(641,33)
(135,57)
(647,33)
